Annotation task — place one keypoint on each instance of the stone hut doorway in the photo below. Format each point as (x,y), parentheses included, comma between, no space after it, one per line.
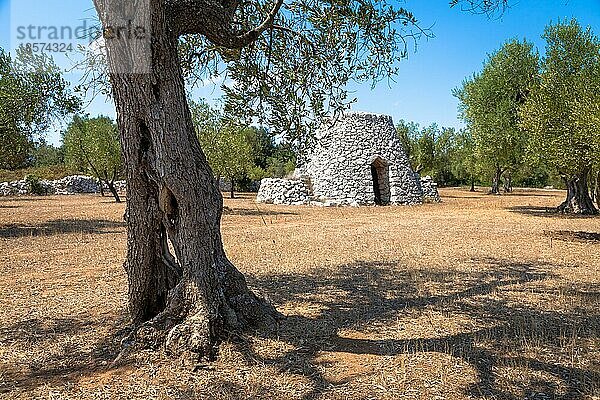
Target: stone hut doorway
(381,181)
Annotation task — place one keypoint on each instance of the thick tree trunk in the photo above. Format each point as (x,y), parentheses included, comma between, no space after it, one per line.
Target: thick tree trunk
(472,189)
(232,189)
(496,181)
(189,299)
(578,199)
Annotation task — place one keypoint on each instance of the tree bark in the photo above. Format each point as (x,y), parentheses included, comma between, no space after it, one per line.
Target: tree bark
(232,189)
(578,199)
(472,189)
(187,300)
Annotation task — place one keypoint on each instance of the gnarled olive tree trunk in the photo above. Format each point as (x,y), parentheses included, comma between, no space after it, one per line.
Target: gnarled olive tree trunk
(578,199)
(188,298)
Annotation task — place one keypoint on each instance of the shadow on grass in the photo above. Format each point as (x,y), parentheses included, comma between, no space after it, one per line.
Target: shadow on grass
(533,194)
(550,212)
(254,212)
(574,236)
(367,297)
(61,226)
(474,196)
(62,352)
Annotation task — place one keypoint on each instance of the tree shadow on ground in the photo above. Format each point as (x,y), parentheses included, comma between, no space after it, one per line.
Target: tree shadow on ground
(550,212)
(61,226)
(529,194)
(444,196)
(574,236)
(254,212)
(56,351)
(367,297)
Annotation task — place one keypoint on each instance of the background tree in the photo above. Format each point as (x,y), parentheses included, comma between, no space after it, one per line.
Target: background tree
(290,62)
(563,111)
(92,145)
(409,132)
(33,95)
(463,159)
(489,103)
(428,150)
(46,155)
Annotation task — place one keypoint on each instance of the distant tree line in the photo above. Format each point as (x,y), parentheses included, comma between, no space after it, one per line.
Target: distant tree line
(530,121)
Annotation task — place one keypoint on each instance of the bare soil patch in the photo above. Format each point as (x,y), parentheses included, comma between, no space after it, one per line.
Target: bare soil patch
(479,297)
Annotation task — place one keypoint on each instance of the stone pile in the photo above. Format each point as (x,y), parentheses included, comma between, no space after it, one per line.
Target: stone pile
(283,191)
(74,184)
(14,188)
(430,190)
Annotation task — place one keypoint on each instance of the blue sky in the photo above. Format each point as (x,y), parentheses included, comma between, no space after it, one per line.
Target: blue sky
(422,91)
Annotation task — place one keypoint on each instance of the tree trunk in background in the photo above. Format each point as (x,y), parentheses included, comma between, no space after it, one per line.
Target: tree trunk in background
(113,191)
(496,181)
(578,199)
(508,182)
(472,185)
(189,299)
(232,189)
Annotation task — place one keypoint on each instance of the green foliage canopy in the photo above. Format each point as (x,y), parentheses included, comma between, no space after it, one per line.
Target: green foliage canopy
(92,145)
(489,104)
(33,95)
(563,111)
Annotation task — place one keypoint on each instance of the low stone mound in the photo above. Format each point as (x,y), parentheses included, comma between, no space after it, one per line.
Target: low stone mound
(283,191)
(14,188)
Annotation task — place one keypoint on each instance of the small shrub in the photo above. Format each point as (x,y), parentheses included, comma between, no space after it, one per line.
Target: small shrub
(35,186)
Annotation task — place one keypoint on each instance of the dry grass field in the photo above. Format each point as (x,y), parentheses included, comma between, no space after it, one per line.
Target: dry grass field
(480,297)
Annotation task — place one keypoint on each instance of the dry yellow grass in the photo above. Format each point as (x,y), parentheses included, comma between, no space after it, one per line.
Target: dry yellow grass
(479,297)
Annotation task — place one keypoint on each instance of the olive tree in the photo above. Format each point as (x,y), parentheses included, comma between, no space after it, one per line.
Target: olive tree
(289,62)
(563,111)
(33,95)
(92,144)
(489,104)
(224,143)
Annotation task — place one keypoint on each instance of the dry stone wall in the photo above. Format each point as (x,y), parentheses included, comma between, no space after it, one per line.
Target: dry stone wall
(283,191)
(430,190)
(74,184)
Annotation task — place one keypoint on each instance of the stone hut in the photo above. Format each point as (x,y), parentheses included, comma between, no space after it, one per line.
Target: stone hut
(358,160)
(361,159)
